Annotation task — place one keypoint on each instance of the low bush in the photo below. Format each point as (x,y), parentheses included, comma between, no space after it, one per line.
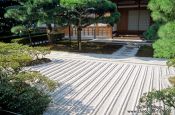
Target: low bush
(16,56)
(23,92)
(164,47)
(19,97)
(150,101)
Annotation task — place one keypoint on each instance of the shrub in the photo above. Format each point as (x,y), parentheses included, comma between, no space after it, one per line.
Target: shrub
(164,47)
(151,33)
(16,55)
(24,92)
(150,100)
(39,52)
(21,98)
(37,80)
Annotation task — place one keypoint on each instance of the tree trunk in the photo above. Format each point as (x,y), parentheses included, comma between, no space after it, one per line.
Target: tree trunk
(70,34)
(79,38)
(49,30)
(29,33)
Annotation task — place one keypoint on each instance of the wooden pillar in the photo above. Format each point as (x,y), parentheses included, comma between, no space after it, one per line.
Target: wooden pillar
(97,30)
(110,31)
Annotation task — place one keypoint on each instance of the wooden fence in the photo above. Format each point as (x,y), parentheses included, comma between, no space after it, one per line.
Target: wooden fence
(101,31)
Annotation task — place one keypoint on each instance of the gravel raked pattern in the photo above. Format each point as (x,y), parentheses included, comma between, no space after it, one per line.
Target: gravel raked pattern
(101,87)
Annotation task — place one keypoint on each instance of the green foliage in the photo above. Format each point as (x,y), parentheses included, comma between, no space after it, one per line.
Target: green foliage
(29,13)
(162,10)
(37,80)
(167,31)
(151,33)
(164,47)
(78,8)
(18,29)
(74,3)
(39,52)
(151,99)
(16,56)
(21,91)
(18,96)
(16,40)
(82,13)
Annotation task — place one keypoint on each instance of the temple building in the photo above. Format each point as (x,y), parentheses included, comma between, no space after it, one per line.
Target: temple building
(134,20)
(135,17)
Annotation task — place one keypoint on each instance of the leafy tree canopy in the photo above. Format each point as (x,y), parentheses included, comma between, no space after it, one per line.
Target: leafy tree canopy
(162,10)
(31,13)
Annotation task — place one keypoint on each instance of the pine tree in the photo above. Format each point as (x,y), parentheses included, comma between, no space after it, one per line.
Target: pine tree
(6,24)
(86,12)
(31,14)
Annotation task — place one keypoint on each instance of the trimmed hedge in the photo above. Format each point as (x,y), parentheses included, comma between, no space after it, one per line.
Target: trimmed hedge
(39,39)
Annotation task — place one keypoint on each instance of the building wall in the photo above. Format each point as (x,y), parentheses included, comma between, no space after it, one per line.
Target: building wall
(133,20)
(135,17)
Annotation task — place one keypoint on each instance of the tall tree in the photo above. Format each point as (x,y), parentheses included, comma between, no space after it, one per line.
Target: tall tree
(86,12)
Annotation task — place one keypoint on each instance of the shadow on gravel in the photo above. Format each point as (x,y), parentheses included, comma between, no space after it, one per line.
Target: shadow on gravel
(64,103)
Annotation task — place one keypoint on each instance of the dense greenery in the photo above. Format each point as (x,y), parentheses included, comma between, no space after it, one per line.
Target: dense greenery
(163,11)
(21,91)
(18,96)
(16,56)
(164,47)
(32,13)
